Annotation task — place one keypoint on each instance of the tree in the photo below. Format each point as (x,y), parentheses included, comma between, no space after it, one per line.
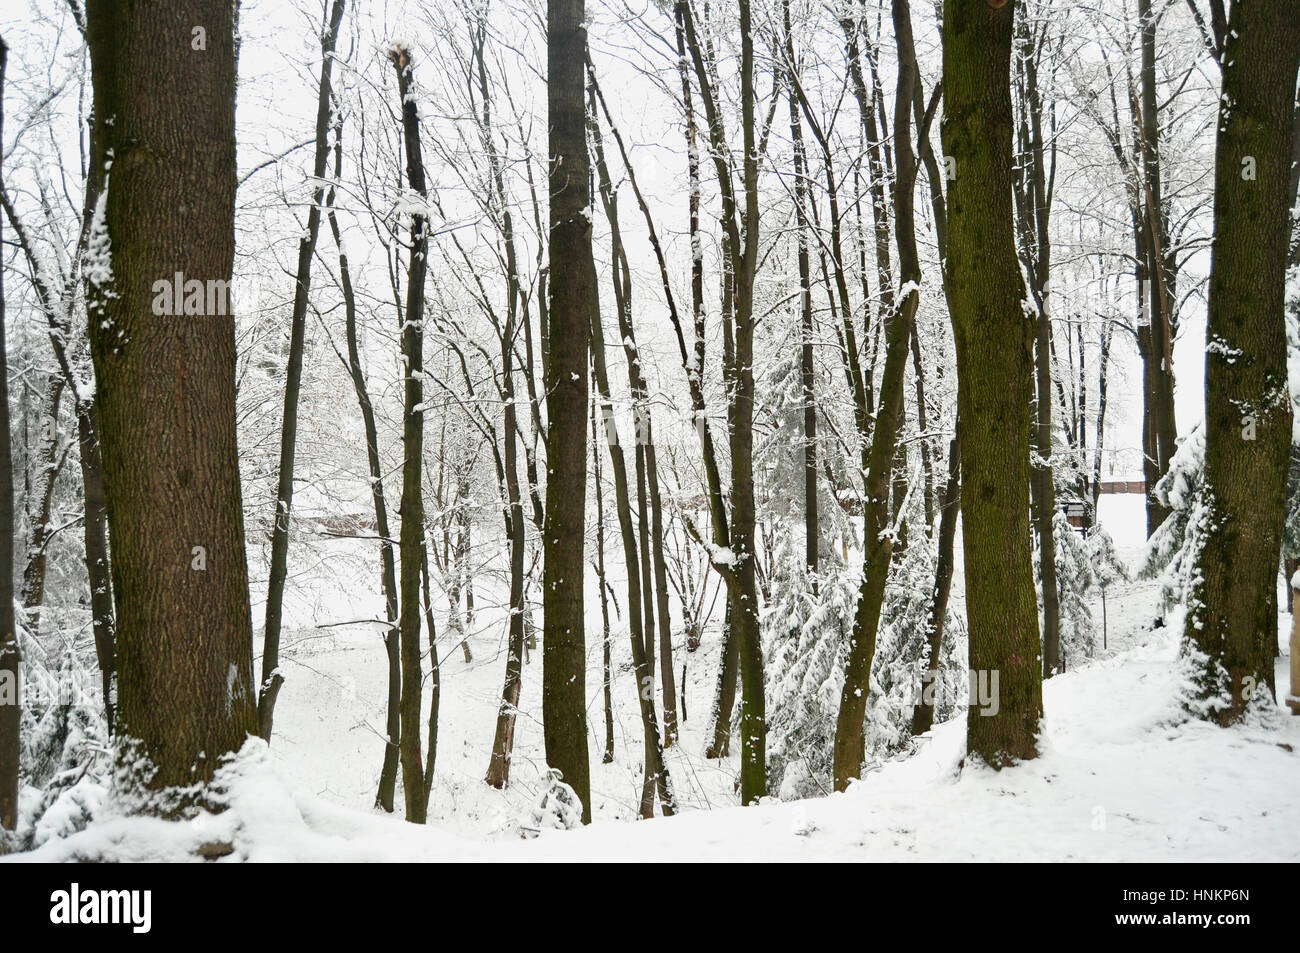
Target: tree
(737,562)
(879,537)
(166,388)
(1231,631)
(995,359)
(10,672)
(572,288)
(411,510)
(1034,186)
(272,679)
(1156,274)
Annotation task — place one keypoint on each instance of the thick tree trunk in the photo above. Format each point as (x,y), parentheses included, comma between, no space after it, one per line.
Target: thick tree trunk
(995,354)
(186,695)
(272,678)
(572,289)
(411,542)
(1232,618)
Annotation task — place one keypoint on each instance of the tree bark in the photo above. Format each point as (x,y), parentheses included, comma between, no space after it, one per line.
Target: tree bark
(411,542)
(923,711)
(605,646)
(1232,617)
(1034,200)
(186,695)
(572,289)
(995,354)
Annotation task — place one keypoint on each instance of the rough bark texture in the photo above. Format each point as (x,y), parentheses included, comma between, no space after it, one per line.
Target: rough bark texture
(1232,619)
(995,353)
(165,120)
(572,288)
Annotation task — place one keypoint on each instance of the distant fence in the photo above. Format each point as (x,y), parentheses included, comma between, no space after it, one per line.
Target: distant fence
(1124,486)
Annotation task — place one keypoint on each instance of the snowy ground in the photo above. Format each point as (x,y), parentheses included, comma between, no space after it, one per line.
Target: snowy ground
(1123,774)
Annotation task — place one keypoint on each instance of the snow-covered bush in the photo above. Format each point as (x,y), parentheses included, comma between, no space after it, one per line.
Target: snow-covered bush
(1173,549)
(558,807)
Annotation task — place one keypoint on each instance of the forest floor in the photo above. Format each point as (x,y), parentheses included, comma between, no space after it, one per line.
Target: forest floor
(1123,773)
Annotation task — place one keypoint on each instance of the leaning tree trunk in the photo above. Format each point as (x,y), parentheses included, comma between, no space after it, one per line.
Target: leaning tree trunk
(186,695)
(572,289)
(10,712)
(878,538)
(1231,631)
(272,679)
(995,353)
(411,542)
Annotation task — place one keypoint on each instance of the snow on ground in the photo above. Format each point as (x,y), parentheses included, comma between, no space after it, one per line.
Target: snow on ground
(1123,774)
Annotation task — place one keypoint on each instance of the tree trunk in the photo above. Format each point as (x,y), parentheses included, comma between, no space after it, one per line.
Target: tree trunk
(411,542)
(272,678)
(387,562)
(1034,200)
(1158,370)
(995,354)
(572,289)
(10,672)
(661,595)
(622,505)
(878,540)
(49,461)
(806,366)
(95,537)
(1232,617)
(606,666)
(923,711)
(186,695)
